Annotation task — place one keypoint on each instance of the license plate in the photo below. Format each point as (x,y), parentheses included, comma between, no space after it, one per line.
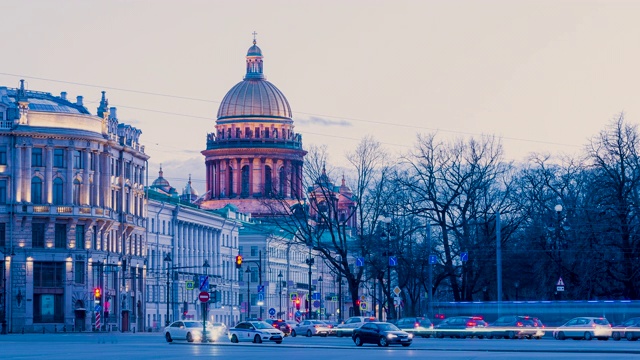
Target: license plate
(404,339)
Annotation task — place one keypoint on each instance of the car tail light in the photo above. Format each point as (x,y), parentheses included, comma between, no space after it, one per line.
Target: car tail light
(316,326)
(275,326)
(471,323)
(593,325)
(543,326)
(519,324)
(416,325)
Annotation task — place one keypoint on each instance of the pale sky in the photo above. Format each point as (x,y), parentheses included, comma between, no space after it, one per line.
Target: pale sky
(545,76)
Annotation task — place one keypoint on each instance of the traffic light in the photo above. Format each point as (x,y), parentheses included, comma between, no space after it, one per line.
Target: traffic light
(97,295)
(298,304)
(238,261)
(358,303)
(185,309)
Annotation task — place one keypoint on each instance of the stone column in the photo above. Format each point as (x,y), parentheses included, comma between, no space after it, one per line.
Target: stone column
(48,175)
(26,189)
(18,167)
(86,184)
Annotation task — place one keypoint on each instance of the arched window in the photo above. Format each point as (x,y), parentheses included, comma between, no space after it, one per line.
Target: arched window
(36,190)
(245,182)
(268,182)
(76,192)
(282,182)
(58,191)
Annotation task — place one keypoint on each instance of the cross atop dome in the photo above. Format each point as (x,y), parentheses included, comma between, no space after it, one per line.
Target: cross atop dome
(254,37)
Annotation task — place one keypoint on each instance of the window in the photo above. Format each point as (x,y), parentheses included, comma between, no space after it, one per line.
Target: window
(36,190)
(245,182)
(282,182)
(257,133)
(78,162)
(37,235)
(79,272)
(76,192)
(94,244)
(127,170)
(3,235)
(58,158)
(36,157)
(92,161)
(80,237)
(254,251)
(3,156)
(268,184)
(48,308)
(3,191)
(61,236)
(58,191)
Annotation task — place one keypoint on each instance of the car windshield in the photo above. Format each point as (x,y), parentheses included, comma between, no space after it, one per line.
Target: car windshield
(601,321)
(388,327)
(192,324)
(262,325)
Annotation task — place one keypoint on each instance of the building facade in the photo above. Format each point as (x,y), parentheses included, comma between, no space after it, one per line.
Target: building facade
(182,238)
(254,152)
(72,215)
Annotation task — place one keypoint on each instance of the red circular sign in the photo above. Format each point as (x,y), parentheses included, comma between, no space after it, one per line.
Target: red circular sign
(204,296)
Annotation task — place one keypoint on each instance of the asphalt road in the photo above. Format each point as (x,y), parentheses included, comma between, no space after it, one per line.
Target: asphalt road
(152,346)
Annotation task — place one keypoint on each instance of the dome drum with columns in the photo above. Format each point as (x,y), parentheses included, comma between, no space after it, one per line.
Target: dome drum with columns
(254,152)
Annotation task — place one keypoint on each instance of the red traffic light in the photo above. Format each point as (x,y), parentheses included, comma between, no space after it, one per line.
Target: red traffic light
(297,304)
(97,293)
(238,261)
(357,302)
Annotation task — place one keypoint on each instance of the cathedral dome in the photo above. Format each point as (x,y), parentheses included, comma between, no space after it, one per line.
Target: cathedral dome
(254,96)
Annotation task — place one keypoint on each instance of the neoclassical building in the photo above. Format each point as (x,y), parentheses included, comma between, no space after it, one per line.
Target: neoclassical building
(254,152)
(72,214)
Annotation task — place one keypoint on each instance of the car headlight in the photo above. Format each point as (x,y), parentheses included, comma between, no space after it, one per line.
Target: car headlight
(392,336)
(410,336)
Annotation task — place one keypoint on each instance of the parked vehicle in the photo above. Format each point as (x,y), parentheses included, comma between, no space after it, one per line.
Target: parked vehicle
(346,328)
(513,327)
(584,328)
(281,325)
(418,326)
(462,327)
(255,331)
(381,333)
(189,330)
(311,328)
(629,329)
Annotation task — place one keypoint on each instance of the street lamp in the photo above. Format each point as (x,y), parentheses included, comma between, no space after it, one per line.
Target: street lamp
(320,286)
(3,321)
(280,293)
(387,220)
(206,267)
(167,260)
(558,209)
(248,272)
(517,285)
(309,261)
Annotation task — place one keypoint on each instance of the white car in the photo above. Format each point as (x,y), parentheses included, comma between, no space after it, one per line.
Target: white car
(189,330)
(346,328)
(584,328)
(311,328)
(255,331)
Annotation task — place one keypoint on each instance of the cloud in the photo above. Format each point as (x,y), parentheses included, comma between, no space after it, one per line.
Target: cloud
(316,120)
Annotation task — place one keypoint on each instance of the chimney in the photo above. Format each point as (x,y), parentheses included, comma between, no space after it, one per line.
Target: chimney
(112,113)
(79,100)
(63,95)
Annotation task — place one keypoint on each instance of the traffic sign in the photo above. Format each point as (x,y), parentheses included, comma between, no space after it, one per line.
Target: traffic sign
(298,313)
(293,296)
(204,296)
(272,311)
(360,261)
(98,308)
(560,282)
(261,296)
(316,304)
(189,284)
(559,288)
(363,305)
(397,291)
(393,261)
(316,296)
(334,298)
(433,259)
(464,256)
(260,288)
(204,283)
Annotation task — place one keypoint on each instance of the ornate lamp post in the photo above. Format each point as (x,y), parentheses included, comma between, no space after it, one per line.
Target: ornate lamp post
(280,293)
(309,261)
(167,260)
(387,221)
(320,286)
(248,273)
(205,304)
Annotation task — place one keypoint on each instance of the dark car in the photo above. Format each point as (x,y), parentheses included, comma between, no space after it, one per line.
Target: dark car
(514,327)
(281,325)
(462,327)
(418,326)
(629,329)
(381,333)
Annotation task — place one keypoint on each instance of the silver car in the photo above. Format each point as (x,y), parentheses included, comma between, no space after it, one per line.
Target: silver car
(584,328)
(311,328)
(255,331)
(189,330)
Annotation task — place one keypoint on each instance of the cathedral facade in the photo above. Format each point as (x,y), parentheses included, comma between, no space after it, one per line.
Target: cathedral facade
(254,152)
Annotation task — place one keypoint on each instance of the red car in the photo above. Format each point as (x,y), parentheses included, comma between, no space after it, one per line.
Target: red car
(281,325)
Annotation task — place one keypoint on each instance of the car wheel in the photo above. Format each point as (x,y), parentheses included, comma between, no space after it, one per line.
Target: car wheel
(439,335)
(616,336)
(383,341)
(630,337)
(308,333)
(338,334)
(560,336)
(293,333)
(511,335)
(357,341)
(490,337)
(257,339)
(189,337)
(279,342)
(405,345)
(167,337)
(234,339)
(588,335)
